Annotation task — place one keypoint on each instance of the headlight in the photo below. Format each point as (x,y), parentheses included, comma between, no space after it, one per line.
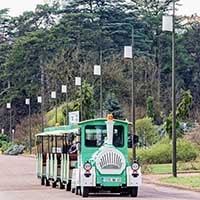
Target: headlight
(135,166)
(87,166)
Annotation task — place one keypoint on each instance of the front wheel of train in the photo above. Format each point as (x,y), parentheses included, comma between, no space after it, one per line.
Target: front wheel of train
(54,184)
(85,191)
(68,187)
(47,182)
(62,186)
(43,180)
(134,191)
(78,190)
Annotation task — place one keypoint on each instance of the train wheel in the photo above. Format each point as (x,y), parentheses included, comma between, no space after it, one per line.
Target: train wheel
(47,182)
(134,191)
(68,188)
(54,184)
(62,186)
(85,191)
(73,190)
(42,181)
(77,190)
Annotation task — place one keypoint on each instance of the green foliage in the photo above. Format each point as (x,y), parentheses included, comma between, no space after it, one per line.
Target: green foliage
(50,116)
(41,47)
(150,108)
(184,106)
(161,153)
(146,131)
(3,139)
(113,107)
(5,146)
(182,113)
(87,101)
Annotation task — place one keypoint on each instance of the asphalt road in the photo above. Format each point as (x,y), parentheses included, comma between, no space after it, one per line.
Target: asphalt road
(18,181)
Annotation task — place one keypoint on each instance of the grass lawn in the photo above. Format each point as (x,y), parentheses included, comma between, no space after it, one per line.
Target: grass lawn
(167,168)
(189,181)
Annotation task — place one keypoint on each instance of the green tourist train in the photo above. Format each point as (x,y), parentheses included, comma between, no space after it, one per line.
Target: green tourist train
(91,157)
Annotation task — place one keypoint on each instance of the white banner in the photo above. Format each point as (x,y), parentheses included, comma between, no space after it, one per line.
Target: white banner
(128,52)
(167,23)
(39,99)
(74,117)
(27,101)
(53,94)
(64,89)
(8,105)
(97,70)
(78,81)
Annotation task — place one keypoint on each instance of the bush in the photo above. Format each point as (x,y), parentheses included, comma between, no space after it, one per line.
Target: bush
(146,131)
(3,139)
(162,153)
(5,146)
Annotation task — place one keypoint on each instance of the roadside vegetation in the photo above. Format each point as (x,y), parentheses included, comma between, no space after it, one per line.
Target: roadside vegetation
(188,181)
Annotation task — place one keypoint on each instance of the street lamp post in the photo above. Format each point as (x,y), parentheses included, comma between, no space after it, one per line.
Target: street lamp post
(174,97)
(128,53)
(169,25)
(40,101)
(13,135)
(8,106)
(53,96)
(64,90)
(97,71)
(78,82)
(27,102)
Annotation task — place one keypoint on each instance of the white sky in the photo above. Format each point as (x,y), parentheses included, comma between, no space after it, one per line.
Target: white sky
(18,6)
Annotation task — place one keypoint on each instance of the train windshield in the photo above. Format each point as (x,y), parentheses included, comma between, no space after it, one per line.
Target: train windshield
(95,135)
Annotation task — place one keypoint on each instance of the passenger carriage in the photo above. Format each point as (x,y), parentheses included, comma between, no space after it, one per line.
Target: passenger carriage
(100,163)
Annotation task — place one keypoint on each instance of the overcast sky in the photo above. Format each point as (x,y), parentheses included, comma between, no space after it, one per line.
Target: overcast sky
(18,6)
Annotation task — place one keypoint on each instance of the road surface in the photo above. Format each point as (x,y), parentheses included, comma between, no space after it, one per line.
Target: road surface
(19,182)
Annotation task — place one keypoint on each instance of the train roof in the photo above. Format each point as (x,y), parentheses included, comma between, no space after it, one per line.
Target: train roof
(59,130)
(104,119)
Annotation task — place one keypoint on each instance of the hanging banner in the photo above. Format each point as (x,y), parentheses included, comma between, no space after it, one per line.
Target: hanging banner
(167,23)
(39,99)
(53,95)
(97,70)
(78,81)
(64,89)
(128,52)
(74,117)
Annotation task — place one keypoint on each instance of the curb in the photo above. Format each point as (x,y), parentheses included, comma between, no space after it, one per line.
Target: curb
(29,156)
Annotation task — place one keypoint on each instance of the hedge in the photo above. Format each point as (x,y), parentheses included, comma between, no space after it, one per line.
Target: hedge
(161,153)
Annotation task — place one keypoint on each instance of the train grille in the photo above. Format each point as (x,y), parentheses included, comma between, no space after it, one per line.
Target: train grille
(110,162)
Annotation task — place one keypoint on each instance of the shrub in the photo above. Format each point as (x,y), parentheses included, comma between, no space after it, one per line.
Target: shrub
(5,146)
(146,131)
(162,152)
(3,139)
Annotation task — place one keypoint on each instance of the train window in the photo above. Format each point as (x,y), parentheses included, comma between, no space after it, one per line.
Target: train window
(39,144)
(45,145)
(95,135)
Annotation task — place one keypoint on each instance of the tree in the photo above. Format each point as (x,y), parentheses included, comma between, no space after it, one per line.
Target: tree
(150,108)
(182,113)
(86,96)
(113,107)
(184,106)
(146,131)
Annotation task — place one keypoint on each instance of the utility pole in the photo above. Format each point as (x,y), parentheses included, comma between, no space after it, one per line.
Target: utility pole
(129,53)
(174,162)
(101,84)
(27,102)
(133,95)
